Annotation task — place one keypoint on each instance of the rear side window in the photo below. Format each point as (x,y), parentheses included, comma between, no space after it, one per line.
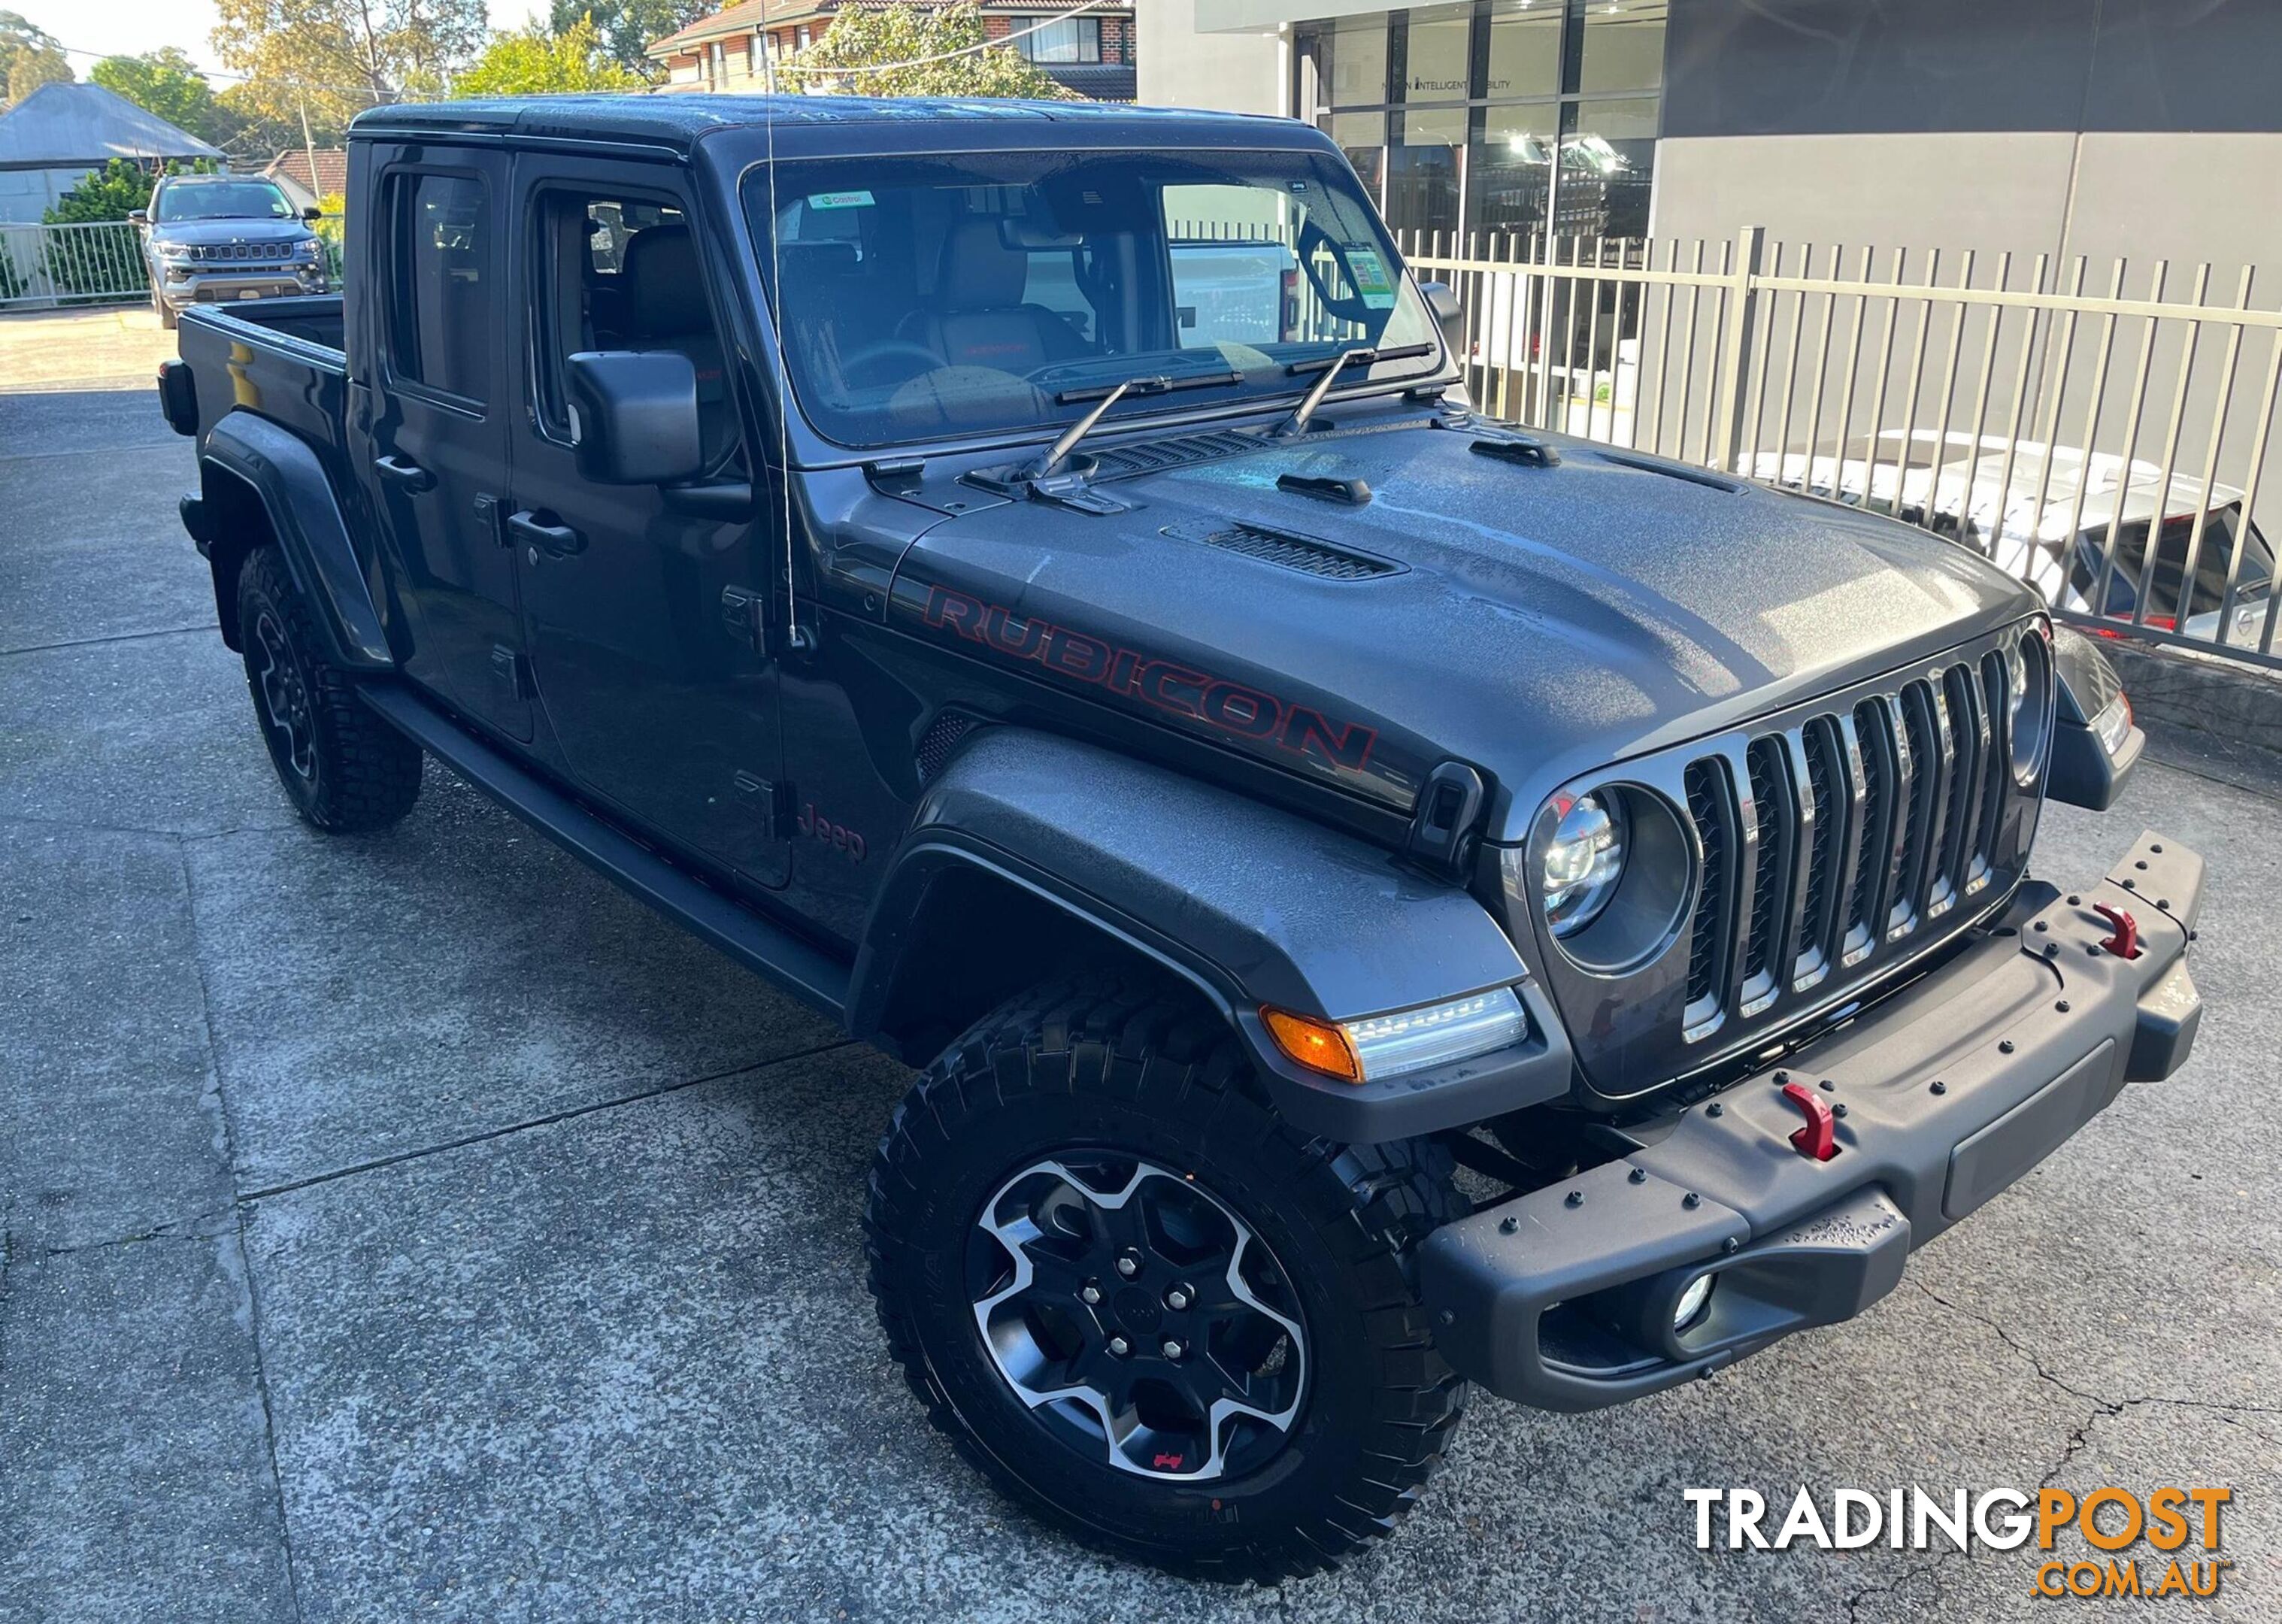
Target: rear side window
(440,316)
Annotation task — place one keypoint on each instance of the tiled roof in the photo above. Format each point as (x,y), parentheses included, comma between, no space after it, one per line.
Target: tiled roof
(748,15)
(332,170)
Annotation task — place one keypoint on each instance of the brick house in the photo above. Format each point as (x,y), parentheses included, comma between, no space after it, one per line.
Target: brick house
(1091,54)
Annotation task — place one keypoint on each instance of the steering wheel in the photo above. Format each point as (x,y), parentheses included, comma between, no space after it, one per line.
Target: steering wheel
(882,354)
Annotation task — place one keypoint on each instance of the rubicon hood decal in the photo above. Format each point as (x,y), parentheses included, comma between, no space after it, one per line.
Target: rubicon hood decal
(1244,713)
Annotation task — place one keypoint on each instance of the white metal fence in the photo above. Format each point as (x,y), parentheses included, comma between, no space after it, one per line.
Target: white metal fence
(2102,434)
(45,265)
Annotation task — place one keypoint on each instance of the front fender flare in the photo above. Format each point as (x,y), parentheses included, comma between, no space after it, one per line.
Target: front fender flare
(286,477)
(1246,903)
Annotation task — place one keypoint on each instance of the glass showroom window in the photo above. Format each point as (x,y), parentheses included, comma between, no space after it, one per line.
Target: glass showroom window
(1516,116)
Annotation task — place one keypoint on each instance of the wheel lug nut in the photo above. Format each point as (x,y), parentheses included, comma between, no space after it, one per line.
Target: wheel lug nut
(1178,1299)
(1090,1295)
(1128,1267)
(1172,1349)
(1119,1346)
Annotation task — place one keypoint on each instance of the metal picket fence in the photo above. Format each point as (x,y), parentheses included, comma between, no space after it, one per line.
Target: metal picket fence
(45,265)
(2088,428)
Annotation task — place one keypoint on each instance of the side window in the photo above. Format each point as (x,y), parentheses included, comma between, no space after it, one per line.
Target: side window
(617,272)
(444,254)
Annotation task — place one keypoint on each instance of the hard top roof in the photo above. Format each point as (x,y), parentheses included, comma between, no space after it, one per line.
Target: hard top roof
(680,120)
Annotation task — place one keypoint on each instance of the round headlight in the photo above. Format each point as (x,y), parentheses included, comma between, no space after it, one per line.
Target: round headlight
(2029,709)
(1583,862)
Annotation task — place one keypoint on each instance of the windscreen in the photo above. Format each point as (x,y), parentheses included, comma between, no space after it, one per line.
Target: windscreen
(222,201)
(975,292)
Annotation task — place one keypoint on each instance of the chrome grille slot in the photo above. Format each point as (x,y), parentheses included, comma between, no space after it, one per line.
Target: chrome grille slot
(1709,808)
(1774,822)
(1819,809)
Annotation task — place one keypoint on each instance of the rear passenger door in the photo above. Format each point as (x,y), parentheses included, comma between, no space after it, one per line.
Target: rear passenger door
(642,618)
(435,398)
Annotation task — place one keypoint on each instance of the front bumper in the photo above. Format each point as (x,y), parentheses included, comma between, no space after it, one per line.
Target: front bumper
(1948,1090)
(227,287)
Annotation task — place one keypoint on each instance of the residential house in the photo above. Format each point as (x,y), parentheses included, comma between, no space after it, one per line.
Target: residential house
(51,139)
(731,50)
(291,169)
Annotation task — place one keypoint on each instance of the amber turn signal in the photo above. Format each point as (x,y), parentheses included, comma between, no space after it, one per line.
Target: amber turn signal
(1319,1045)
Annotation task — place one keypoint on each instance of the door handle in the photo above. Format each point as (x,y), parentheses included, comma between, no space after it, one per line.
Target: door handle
(555,540)
(411,476)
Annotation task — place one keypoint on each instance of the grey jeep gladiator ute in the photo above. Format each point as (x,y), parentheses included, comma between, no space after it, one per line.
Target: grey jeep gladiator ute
(1251,786)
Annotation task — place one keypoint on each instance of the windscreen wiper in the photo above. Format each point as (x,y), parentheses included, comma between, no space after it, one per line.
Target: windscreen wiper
(1157,384)
(1297,422)
(1154,383)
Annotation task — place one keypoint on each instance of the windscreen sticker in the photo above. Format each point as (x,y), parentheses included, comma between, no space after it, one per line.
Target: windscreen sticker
(1372,280)
(839,200)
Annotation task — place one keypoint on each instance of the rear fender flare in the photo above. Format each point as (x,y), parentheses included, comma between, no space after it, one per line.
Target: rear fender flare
(247,455)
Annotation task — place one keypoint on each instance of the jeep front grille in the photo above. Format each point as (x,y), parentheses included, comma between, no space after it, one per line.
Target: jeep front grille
(1893,804)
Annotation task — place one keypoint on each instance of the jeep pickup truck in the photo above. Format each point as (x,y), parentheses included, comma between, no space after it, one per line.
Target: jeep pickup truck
(1250,786)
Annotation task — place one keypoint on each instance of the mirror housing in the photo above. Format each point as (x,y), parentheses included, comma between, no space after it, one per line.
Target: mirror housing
(312,213)
(1448,315)
(633,417)
(139,216)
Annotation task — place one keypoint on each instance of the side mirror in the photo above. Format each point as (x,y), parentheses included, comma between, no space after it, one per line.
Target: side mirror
(633,417)
(1448,315)
(140,216)
(312,213)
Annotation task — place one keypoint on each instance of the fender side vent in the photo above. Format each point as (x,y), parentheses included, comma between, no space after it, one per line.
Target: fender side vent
(940,741)
(1304,554)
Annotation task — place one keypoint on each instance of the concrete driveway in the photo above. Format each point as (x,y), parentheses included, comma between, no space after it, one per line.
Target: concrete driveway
(412,1227)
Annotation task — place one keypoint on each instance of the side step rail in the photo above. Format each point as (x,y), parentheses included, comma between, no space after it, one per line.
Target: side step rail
(807,972)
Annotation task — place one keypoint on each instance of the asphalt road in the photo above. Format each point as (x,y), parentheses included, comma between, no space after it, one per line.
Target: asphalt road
(412,1227)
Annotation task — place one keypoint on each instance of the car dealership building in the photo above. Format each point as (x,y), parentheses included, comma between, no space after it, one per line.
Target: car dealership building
(2141,128)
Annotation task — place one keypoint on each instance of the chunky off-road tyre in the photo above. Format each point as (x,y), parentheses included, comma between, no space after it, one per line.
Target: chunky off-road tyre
(345,770)
(1182,1245)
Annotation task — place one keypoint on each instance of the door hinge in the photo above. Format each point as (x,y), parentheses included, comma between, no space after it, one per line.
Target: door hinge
(512,668)
(770,802)
(745,617)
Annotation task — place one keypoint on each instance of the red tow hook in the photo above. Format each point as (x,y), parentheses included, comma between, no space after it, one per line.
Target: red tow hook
(1820,1138)
(2125,942)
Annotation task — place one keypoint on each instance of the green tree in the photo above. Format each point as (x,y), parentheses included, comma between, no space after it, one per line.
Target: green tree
(908,34)
(533,61)
(112,192)
(29,57)
(339,56)
(627,27)
(166,83)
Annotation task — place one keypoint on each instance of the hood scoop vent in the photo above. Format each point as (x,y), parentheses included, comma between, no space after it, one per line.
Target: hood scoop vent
(1281,547)
(1155,456)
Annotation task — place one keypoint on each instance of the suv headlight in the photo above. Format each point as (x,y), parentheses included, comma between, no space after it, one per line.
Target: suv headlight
(2028,703)
(1583,861)
(305,249)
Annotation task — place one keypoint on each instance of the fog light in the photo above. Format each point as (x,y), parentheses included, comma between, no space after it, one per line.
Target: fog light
(1684,1312)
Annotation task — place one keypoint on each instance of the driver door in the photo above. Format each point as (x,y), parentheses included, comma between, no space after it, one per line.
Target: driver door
(634,613)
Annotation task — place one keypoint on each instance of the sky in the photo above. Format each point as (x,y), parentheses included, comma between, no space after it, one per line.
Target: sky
(128,27)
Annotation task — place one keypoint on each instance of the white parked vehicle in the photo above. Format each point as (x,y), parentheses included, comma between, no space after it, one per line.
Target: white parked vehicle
(2050,528)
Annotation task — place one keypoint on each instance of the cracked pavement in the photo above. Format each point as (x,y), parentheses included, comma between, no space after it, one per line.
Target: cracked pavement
(414,1227)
